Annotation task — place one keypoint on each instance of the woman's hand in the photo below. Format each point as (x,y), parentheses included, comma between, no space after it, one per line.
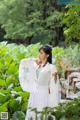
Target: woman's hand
(55,76)
(38,61)
(49,90)
(54,73)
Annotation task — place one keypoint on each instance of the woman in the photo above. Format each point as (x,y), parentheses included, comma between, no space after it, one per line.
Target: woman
(38,76)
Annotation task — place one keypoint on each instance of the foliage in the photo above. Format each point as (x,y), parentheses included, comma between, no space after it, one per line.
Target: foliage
(72,56)
(67,58)
(64,111)
(30,20)
(12,98)
(40,21)
(19,115)
(72,22)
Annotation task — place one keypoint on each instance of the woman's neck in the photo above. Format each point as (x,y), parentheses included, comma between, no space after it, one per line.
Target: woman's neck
(43,62)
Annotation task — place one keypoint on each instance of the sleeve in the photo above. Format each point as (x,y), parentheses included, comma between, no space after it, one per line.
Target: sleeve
(53,73)
(25,75)
(55,88)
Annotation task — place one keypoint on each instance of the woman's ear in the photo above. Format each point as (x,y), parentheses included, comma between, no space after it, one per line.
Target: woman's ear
(47,55)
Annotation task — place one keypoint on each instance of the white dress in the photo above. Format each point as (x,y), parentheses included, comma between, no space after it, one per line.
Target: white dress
(37,82)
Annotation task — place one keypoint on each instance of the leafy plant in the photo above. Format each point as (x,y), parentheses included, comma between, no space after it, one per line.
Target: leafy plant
(71,21)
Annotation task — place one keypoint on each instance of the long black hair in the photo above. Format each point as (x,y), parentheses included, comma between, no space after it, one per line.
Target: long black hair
(48,50)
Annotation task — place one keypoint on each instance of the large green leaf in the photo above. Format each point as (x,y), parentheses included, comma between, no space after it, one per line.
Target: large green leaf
(18,115)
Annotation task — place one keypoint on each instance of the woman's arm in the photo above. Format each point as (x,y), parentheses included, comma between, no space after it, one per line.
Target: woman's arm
(54,73)
(54,86)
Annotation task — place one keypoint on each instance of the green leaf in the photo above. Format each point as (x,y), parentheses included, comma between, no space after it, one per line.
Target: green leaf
(18,115)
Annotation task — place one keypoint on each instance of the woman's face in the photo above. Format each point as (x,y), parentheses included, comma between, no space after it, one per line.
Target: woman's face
(42,55)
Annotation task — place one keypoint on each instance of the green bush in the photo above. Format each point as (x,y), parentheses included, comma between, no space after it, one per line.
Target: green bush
(64,111)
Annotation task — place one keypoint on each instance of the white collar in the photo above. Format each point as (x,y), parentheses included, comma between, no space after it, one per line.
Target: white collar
(36,65)
(43,64)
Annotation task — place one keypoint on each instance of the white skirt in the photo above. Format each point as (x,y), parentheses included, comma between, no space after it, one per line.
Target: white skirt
(38,99)
(41,98)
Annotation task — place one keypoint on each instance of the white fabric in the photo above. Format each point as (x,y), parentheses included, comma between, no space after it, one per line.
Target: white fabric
(38,86)
(27,74)
(55,89)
